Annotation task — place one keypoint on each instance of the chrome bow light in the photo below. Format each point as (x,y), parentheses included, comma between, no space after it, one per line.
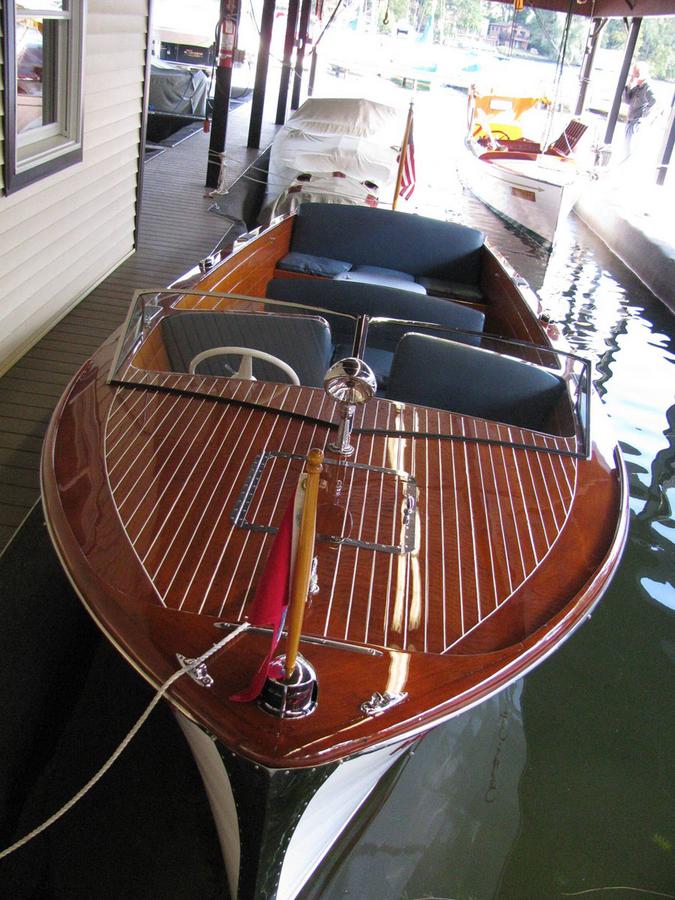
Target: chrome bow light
(351,382)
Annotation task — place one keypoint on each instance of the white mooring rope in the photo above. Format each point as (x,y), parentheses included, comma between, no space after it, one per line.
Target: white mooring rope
(127,740)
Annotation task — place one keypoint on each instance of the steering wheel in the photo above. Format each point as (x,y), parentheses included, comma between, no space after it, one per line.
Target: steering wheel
(245,370)
(499,135)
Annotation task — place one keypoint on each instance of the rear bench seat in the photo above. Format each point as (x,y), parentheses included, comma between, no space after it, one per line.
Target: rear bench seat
(388,248)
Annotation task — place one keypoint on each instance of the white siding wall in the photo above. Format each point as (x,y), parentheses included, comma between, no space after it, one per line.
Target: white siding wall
(2,96)
(61,236)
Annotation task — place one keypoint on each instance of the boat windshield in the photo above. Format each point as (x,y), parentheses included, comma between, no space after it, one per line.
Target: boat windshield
(432,379)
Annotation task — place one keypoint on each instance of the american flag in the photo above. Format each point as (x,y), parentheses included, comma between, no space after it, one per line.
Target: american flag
(408,177)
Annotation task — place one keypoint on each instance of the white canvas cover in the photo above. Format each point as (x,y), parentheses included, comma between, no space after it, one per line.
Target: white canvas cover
(359,138)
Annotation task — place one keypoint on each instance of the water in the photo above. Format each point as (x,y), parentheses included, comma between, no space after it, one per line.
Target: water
(563,785)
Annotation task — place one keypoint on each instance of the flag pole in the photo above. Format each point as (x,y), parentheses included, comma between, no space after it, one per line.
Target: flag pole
(404,153)
(303,559)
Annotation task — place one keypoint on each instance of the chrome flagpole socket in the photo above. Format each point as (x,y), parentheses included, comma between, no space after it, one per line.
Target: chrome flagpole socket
(292,698)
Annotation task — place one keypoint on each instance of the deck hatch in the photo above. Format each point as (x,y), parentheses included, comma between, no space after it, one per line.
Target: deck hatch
(369,507)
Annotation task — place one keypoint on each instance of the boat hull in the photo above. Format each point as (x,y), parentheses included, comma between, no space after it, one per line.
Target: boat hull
(455,553)
(528,196)
(272,846)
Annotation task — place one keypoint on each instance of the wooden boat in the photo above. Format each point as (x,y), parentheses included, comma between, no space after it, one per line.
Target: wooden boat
(468,518)
(531,187)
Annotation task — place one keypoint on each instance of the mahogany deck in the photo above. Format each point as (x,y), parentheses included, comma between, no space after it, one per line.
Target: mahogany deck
(487,515)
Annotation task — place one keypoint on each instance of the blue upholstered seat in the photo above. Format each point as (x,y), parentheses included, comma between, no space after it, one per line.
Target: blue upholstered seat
(303,342)
(473,381)
(384,247)
(354,299)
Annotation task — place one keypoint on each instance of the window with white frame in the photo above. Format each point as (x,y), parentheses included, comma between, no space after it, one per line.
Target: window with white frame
(43,88)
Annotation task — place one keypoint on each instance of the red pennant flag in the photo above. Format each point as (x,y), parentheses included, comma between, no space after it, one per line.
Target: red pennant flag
(272,596)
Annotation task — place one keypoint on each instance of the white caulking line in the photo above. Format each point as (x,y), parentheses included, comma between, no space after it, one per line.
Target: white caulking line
(214,460)
(477,449)
(528,522)
(125,411)
(560,460)
(568,512)
(120,391)
(426,532)
(501,512)
(551,505)
(550,456)
(139,454)
(379,512)
(528,457)
(127,414)
(473,524)
(513,511)
(409,562)
(339,549)
(566,462)
(138,450)
(460,586)
(167,459)
(225,505)
(506,599)
(396,464)
(212,464)
(262,487)
(439,445)
(358,549)
(214,411)
(133,419)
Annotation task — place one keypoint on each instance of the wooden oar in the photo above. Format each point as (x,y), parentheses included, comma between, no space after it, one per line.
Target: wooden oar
(303,559)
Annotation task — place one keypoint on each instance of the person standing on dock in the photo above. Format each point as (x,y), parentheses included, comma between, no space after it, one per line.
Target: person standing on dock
(640,99)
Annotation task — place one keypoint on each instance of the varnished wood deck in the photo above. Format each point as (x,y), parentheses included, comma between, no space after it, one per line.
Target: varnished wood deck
(176,231)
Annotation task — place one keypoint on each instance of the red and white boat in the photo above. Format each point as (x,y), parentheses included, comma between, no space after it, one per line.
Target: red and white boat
(532,187)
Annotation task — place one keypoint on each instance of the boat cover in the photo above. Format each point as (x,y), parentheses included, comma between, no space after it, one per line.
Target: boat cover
(357,138)
(177,91)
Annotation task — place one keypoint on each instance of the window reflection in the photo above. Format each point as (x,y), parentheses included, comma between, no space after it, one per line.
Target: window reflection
(37,53)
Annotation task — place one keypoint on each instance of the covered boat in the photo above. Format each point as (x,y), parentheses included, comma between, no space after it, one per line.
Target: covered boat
(335,150)
(531,186)
(376,390)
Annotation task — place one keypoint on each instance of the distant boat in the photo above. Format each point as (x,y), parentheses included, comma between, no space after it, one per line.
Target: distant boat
(532,187)
(465,509)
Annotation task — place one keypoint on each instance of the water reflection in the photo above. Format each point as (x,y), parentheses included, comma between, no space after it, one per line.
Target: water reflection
(575,793)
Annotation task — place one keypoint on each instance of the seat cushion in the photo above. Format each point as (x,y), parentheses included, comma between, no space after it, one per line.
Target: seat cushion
(391,278)
(453,290)
(472,381)
(309,264)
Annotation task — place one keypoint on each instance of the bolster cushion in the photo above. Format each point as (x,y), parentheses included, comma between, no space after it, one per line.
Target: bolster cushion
(392,278)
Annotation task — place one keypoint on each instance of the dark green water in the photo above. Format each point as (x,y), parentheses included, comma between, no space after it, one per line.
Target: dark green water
(563,785)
